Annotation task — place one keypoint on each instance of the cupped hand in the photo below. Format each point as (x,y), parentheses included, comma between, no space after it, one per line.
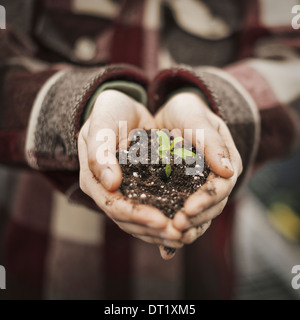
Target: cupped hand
(100,172)
(189,111)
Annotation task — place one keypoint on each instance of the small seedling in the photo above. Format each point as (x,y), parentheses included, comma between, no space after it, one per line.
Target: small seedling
(165,147)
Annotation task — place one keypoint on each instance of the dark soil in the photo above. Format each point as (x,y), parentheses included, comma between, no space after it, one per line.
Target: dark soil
(148,184)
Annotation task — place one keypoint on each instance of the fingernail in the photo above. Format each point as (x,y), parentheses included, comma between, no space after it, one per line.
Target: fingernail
(107,178)
(181,221)
(169,250)
(226,163)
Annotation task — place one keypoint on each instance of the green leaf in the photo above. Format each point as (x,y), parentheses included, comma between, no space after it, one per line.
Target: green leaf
(163,140)
(162,154)
(168,170)
(178,152)
(183,153)
(175,141)
(163,148)
(188,153)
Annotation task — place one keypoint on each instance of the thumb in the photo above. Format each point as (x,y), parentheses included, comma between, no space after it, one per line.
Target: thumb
(101,147)
(208,140)
(217,154)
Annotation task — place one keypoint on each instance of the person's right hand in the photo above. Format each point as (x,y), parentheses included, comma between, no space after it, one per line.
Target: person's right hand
(220,153)
(100,178)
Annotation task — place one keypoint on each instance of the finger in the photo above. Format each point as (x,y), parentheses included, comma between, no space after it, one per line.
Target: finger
(87,177)
(212,192)
(194,233)
(168,233)
(181,220)
(159,241)
(166,252)
(125,210)
(216,153)
(113,203)
(207,215)
(234,155)
(185,222)
(120,209)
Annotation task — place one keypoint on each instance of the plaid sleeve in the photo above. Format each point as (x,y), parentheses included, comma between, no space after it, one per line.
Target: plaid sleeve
(41,115)
(274,87)
(42,111)
(253,97)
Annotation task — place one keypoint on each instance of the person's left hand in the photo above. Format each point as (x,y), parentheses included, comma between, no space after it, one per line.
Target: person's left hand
(189,111)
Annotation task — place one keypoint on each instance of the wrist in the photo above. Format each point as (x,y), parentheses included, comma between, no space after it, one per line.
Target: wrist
(133,90)
(189,91)
(190,101)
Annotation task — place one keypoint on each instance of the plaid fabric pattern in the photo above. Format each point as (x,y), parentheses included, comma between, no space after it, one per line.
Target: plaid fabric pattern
(55,248)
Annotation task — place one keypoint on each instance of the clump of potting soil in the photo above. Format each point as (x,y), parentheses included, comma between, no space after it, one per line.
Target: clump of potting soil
(162,185)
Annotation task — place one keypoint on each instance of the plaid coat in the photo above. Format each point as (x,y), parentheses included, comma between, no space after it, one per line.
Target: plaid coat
(243,55)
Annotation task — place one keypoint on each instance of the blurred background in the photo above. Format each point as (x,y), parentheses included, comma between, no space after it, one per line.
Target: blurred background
(267,232)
